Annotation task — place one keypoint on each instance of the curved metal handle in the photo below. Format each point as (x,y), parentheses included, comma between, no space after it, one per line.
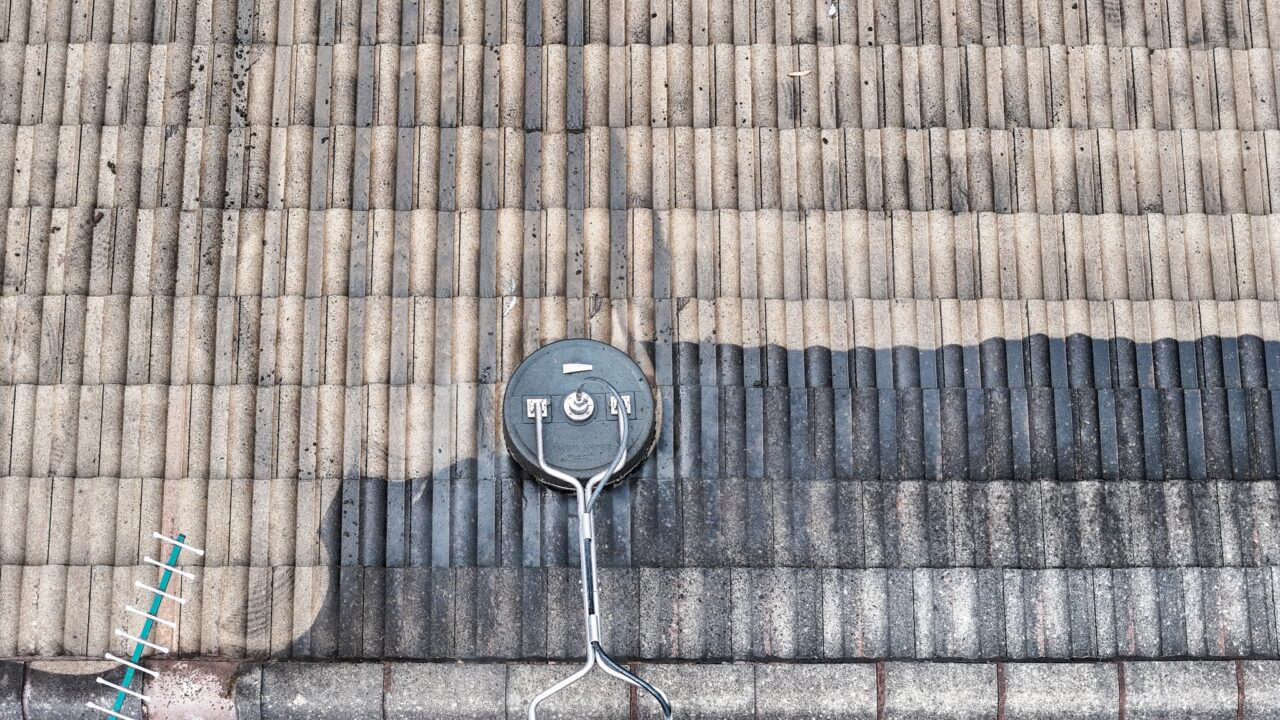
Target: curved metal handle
(618,671)
(596,482)
(587,494)
(620,459)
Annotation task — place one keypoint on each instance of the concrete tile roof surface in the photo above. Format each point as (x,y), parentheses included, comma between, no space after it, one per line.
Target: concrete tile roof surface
(963,317)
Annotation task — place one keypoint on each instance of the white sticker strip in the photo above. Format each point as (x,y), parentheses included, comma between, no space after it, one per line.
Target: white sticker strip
(182,545)
(135,666)
(158,591)
(140,641)
(112,713)
(170,568)
(125,690)
(149,616)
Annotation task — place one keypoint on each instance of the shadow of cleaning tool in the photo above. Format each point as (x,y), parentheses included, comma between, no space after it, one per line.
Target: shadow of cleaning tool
(152,618)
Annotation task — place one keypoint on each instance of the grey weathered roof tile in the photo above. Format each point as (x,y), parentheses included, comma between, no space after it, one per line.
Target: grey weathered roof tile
(1205,689)
(56,688)
(479,691)
(1260,696)
(827,692)
(349,692)
(939,690)
(940,105)
(713,691)
(1061,690)
(12,677)
(956,613)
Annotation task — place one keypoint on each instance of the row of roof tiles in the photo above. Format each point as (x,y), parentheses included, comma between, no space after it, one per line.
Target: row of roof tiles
(966,172)
(1140,690)
(812,522)
(556,87)
(247,343)
(1211,23)
(1095,376)
(689,614)
(380,431)
(726,259)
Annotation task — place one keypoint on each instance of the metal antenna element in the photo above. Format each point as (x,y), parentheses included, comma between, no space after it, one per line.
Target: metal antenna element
(141,642)
(587,494)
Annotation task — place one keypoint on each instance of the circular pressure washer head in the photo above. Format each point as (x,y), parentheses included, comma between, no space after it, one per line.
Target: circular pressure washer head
(577,387)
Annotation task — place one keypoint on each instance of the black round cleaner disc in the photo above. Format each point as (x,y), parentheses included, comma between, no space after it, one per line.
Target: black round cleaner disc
(565,383)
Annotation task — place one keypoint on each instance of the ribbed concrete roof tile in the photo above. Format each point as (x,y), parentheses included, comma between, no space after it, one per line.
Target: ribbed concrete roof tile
(1058,691)
(592,698)
(210,250)
(1260,688)
(293,691)
(61,689)
(446,691)
(12,676)
(1203,690)
(722,691)
(818,692)
(920,690)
